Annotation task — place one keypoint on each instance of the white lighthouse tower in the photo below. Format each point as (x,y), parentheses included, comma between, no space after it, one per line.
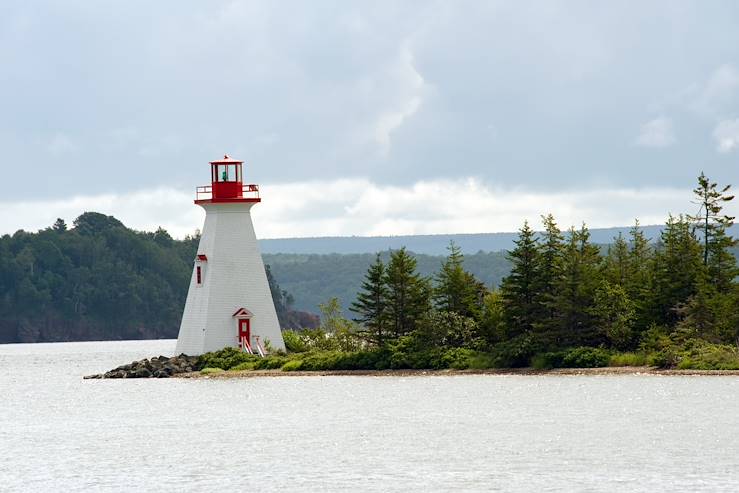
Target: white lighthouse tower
(229,302)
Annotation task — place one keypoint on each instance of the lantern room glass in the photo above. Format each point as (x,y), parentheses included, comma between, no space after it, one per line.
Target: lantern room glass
(226,173)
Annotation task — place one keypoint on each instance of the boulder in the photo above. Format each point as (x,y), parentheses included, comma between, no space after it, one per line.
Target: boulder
(156,367)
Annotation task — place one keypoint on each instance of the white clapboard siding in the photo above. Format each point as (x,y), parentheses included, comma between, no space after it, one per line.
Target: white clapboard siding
(233,277)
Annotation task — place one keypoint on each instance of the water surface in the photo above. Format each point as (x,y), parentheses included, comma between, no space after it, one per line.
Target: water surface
(338,433)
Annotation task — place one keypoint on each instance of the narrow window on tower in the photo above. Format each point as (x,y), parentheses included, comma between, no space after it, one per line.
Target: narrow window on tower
(199,275)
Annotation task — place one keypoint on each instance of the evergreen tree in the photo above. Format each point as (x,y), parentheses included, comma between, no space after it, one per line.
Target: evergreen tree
(519,289)
(617,264)
(576,294)
(720,264)
(408,293)
(640,276)
(548,278)
(371,303)
(721,267)
(456,289)
(59,225)
(678,268)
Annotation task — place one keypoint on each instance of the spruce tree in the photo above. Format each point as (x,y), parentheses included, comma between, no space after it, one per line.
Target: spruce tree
(408,293)
(576,294)
(678,269)
(548,278)
(456,289)
(519,288)
(710,220)
(640,278)
(371,304)
(617,262)
(59,225)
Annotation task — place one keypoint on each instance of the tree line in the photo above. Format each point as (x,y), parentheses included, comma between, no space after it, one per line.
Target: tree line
(563,291)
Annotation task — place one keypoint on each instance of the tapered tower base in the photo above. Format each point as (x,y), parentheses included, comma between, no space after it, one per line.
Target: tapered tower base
(229,297)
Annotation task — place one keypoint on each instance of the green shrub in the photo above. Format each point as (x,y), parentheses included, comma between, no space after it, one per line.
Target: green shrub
(482,361)
(293,365)
(628,359)
(294,342)
(705,356)
(686,363)
(515,353)
(586,357)
(663,359)
(271,362)
(655,339)
(225,358)
(458,358)
(548,360)
(210,371)
(248,365)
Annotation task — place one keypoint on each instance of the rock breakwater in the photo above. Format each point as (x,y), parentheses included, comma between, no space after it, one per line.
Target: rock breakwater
(156,367)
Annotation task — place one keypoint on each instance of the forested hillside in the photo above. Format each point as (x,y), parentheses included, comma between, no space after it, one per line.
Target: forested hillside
(100,280)
(314,279)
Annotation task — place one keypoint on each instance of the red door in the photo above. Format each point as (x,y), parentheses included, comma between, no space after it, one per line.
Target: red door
(244,330)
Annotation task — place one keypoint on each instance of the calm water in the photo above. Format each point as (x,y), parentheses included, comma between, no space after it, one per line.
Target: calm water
(466,433)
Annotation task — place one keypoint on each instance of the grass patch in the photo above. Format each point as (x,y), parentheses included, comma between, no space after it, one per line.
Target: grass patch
(211,371)
(293,365)
(247,365)
(628,359)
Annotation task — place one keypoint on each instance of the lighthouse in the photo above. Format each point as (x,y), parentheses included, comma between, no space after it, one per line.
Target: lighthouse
(229,301)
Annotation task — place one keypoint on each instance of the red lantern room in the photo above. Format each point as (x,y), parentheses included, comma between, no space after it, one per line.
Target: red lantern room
(227,184)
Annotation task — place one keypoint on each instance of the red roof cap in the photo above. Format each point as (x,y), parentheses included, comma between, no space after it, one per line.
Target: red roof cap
(226,160)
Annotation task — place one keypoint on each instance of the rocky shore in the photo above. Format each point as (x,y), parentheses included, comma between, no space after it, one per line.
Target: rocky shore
(156,367)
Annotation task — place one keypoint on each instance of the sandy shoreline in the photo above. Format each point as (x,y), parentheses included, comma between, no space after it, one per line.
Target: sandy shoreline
(616,370)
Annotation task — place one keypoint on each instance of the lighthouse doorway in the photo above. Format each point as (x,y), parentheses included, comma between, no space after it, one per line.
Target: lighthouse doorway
(244,329)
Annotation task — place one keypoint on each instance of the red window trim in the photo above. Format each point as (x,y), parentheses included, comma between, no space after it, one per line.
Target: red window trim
(199,274)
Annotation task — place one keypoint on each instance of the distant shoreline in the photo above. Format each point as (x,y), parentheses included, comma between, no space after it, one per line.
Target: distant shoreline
(615,370)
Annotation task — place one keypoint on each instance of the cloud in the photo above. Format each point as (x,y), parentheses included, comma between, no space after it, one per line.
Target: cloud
(61,144)
(411,84)
(363,207)
(726,135)
(720,93)
(394,91)
(143,210)
(656,133)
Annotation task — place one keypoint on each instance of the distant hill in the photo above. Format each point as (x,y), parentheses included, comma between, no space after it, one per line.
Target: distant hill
(425,244)
(315,278)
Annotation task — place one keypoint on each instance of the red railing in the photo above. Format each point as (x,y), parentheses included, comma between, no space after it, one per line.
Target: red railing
(250,191)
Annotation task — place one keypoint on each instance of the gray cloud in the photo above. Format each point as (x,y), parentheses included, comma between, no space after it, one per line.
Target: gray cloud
(115,97)
(656,133)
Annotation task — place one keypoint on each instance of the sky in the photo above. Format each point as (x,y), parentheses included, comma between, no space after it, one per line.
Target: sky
(367,118)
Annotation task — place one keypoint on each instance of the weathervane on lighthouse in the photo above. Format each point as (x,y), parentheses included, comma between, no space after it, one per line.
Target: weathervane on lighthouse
(229,301)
